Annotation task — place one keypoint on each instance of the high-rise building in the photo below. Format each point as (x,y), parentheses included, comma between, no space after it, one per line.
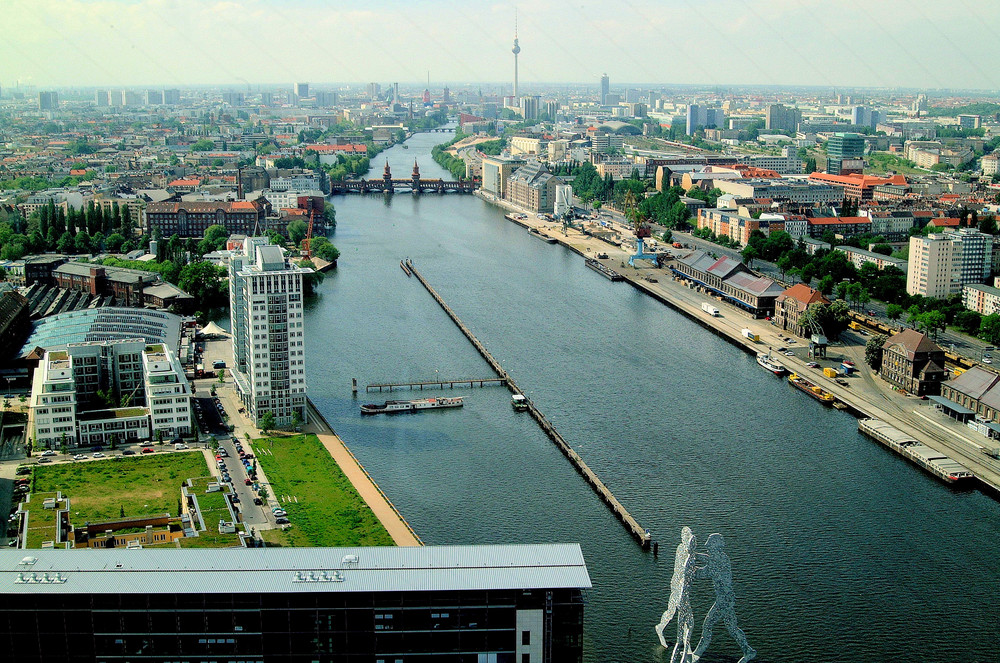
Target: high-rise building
(102,98)
(232,98)
(605,88)
(154,97)
(863,116)
(706,118)
(529,107)
(940,264)
(446,95)
(301,90)
(326,99)
(266,98)
(781,118)
(844,153)
(374,91)
(970,121)
(172,97)
(48,101)
(265,297)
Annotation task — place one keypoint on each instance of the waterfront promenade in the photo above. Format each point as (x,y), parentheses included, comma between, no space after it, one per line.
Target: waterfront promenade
(866,394)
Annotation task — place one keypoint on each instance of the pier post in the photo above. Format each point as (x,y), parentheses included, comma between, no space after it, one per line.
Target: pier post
(354,385)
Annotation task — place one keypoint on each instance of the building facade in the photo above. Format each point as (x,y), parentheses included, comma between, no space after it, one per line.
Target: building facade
(941,263)
(792,303)
(496,171)
(191,219)
(913,362)
(533,187)
(844,151)
(982,299)
(265,297)
(448,604)
(859,257)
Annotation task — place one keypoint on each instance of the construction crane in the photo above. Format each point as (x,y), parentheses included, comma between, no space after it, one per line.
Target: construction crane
(307,242)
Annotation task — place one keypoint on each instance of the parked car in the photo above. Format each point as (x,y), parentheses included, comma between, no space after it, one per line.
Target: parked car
(44,460)
(280,513)
(24,469)
(247,481)
(98,455)
(79,457)
(258,501)
(147,450)
(97,448)
(48,452)
(812,364)
(281,521)
(128,452)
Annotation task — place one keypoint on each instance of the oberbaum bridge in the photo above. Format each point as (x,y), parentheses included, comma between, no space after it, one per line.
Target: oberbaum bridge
(414,184)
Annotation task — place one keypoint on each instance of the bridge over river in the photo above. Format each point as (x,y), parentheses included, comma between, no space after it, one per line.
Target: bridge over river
(414,184)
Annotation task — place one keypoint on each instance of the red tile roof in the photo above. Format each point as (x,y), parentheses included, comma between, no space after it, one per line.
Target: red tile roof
(864,181)
(803,295)
(835,220)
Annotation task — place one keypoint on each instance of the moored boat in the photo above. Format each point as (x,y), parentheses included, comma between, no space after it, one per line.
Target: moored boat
(519,402)
(769,363)
(395,407)
(820,394)
(535,232)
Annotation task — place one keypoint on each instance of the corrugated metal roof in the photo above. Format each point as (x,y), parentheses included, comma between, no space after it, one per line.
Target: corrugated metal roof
(273,570)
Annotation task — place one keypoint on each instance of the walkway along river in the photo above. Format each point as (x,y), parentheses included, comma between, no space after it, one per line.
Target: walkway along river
(841,551)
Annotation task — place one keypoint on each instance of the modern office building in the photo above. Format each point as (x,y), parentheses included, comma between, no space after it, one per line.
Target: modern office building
(496,171)
(862,116)
(605,88)
(447,604)
(301,90)
(845,154)
(265,297)
(48,101)
(100,391)
(172,97)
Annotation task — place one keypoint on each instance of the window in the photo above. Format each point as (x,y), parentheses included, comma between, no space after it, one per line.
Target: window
(525,658)
(526,638)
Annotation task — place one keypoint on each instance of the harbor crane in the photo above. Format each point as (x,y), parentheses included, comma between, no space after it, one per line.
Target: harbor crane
(307,242)
(640,227)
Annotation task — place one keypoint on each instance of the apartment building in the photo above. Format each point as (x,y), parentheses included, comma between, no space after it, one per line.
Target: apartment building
(265,292)
(941,263)
(859,257)
(99,391)
(737,227)
(496,171)
(804,193)
(980,298)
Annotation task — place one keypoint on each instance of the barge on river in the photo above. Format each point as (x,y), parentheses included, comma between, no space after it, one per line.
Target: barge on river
(395,407)
(945,468)
(535,232)
(604,270)
(820,394)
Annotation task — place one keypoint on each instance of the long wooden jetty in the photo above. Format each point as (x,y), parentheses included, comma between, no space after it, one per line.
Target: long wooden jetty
(621,513)
(439,384)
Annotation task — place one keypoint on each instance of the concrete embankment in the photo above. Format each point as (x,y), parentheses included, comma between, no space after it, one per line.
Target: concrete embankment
(866,397)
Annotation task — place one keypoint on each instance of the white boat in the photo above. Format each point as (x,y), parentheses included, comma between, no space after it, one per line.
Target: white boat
(770,363)
(395,407)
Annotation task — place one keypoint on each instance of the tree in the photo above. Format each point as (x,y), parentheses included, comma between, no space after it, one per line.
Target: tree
(968,321)
(66,244)
(842,288)
(825,285)
(266,422)
(989,328)
(222,376)
(114,242)
(297,230)
(894,311)
(311,280)
(749,255)
(203,145)
(214,239)
(320,247)
(873,351)
(205,282)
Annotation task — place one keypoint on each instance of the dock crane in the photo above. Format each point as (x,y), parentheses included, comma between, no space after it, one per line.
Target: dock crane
(307,242)
(640,227)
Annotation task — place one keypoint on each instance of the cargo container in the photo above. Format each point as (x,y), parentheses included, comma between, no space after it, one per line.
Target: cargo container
(752,336)
(830,372)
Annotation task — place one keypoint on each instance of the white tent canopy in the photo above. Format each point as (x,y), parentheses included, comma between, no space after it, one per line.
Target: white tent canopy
(212,329)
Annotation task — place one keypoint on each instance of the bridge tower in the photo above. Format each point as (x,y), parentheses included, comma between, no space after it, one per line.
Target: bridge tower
(415,177)
(387,178)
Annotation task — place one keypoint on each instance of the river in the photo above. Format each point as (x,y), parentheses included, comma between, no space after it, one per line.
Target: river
(841,551)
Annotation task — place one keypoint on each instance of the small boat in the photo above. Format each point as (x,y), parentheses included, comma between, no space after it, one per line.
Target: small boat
(519,402)
(395,407)
(769,363)
(820,394)
(405,146)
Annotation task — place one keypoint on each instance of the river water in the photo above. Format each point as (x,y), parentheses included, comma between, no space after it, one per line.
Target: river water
(840,550)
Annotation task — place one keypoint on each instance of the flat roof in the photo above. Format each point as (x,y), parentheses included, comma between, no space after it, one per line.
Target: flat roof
(951,405)
(303,570)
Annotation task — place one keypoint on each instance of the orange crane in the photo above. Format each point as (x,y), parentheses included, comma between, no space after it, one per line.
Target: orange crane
(307,242)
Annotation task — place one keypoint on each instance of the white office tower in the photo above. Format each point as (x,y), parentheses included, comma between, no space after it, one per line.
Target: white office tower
(265,293)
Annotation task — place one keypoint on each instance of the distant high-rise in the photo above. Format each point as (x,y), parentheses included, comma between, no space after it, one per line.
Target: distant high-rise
(374,91)
(265,292)
(866,117)
(446,95)
(781,118)
(301,90)
(845,153)
(232,98)
(705,118)
(605,88)
(529,107)
(154,97)
(49,100)
(172,97)
(102,97)
(266,98)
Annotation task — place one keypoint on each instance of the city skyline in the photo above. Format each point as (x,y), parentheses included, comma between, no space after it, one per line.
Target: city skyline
(82,43)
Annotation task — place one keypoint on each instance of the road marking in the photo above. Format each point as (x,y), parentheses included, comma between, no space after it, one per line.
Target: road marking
(948,430)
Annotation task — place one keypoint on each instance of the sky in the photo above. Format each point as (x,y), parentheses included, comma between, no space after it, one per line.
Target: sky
(928,44)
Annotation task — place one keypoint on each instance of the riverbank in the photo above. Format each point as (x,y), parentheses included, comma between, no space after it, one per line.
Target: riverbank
(866,396)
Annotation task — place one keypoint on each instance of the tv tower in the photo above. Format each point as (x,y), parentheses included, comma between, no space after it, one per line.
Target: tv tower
(515,51)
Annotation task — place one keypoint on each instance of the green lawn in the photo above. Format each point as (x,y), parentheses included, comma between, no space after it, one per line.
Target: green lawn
(213,509)
(141,485)
(330,512)
(41,521)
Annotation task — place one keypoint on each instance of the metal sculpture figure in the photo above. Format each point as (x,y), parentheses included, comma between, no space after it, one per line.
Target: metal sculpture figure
(679,603)
(719,569)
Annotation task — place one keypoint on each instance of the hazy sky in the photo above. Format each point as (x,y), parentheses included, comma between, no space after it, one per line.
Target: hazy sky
(842,43)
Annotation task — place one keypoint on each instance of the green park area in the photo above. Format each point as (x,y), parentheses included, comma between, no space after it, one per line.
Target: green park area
(213,509)
(136,486)
(329,511)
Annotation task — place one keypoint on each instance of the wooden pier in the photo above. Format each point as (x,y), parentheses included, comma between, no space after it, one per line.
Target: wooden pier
(621,513)
(434,384)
